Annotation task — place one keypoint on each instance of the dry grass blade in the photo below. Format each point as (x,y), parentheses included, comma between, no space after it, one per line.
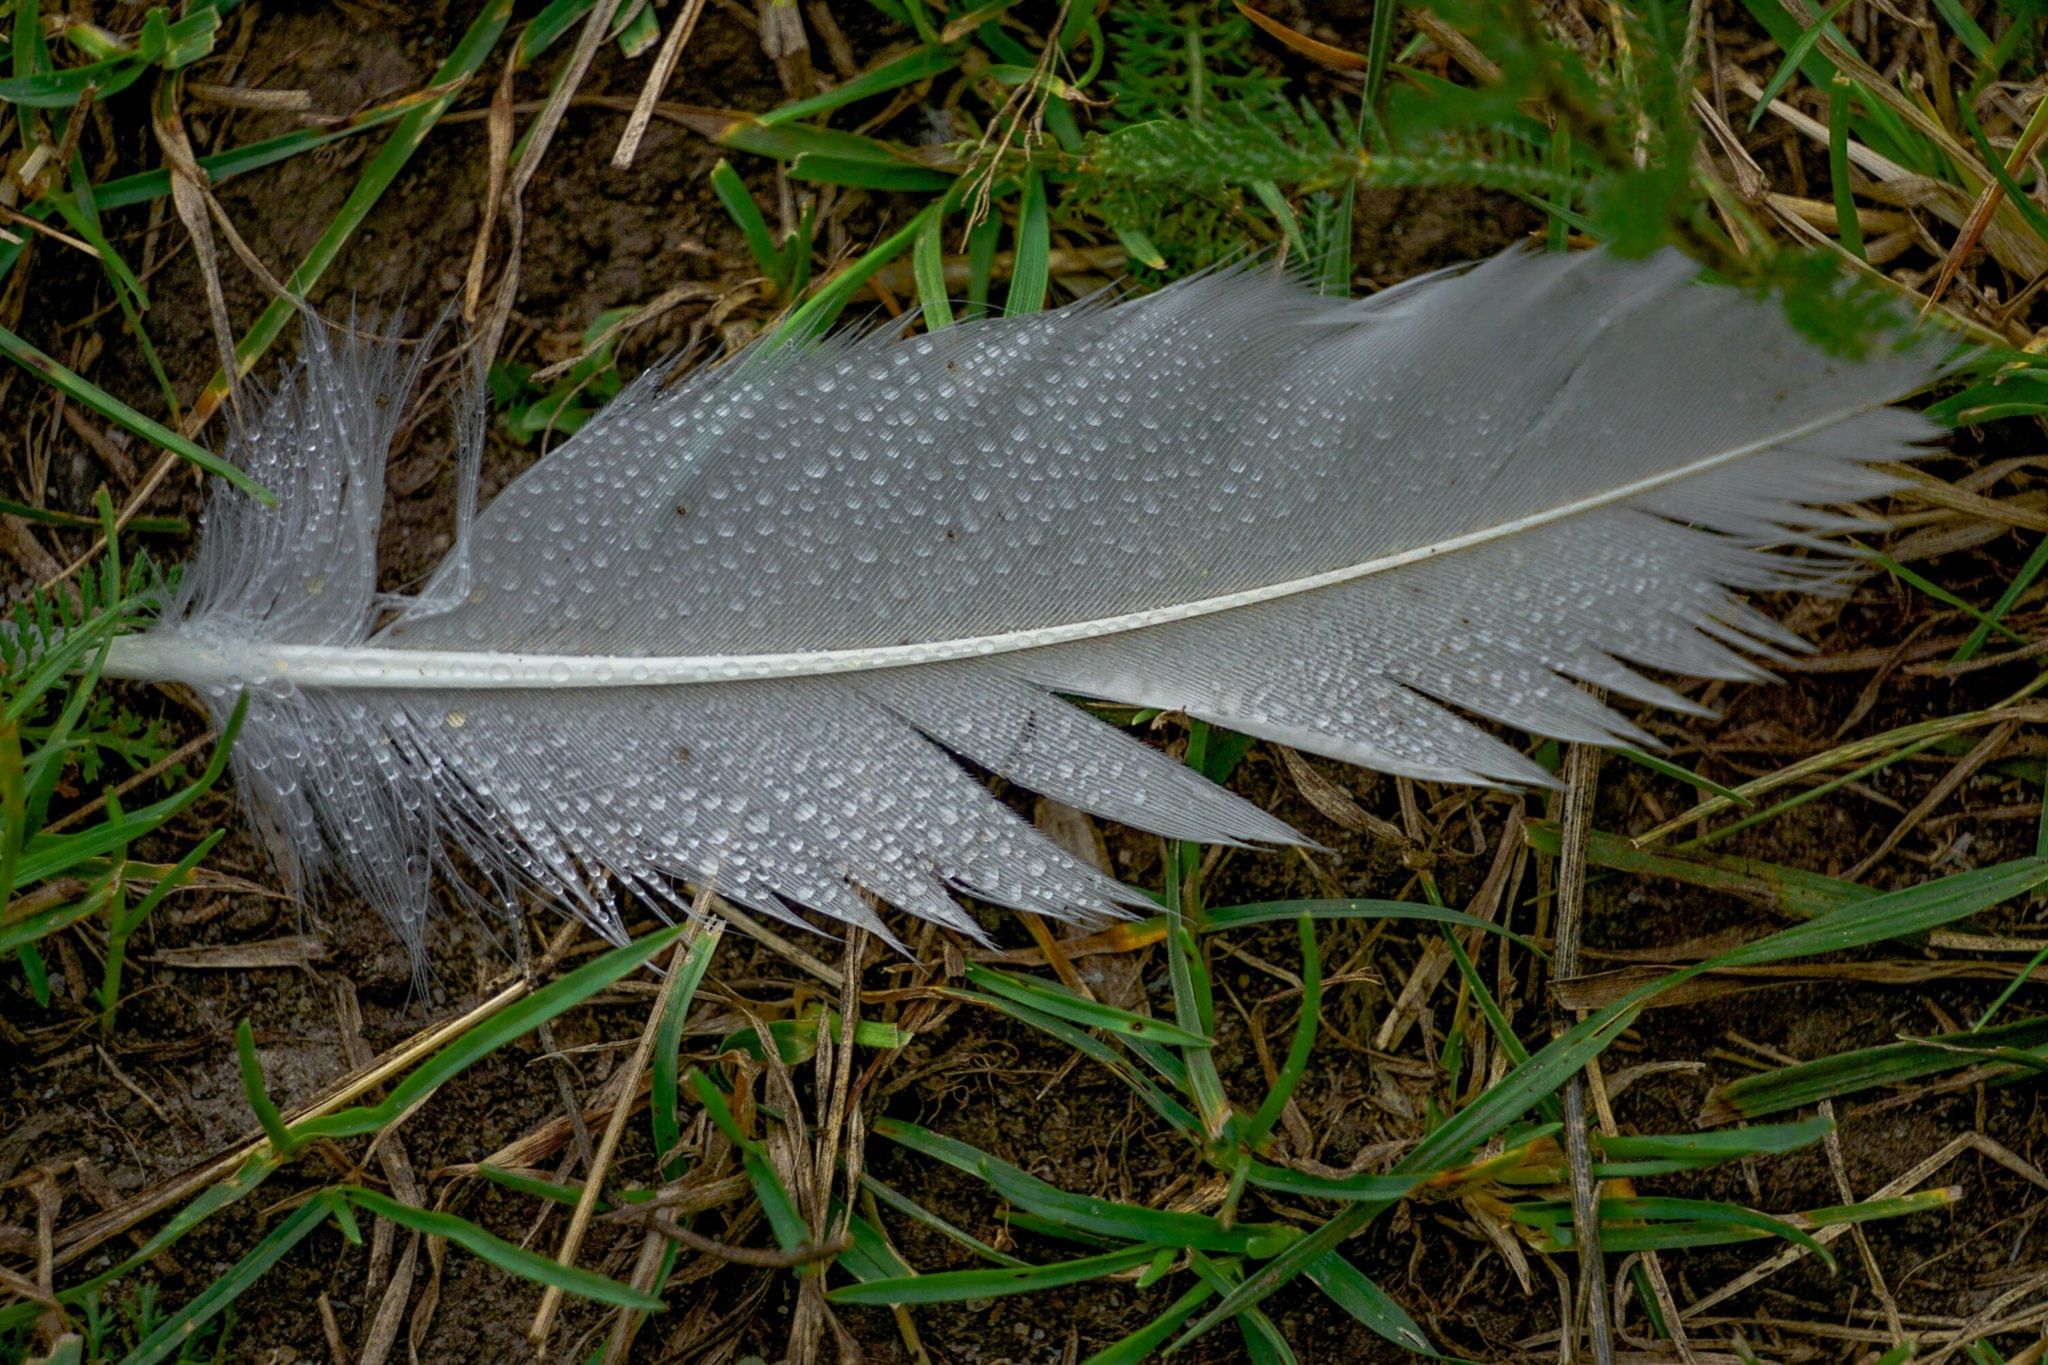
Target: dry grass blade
(680,28)
(1581,782)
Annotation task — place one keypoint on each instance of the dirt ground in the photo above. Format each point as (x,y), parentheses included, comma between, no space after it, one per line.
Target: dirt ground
(165,1093)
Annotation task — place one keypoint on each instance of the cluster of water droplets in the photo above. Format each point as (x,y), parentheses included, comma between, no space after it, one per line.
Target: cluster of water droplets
(1442,461)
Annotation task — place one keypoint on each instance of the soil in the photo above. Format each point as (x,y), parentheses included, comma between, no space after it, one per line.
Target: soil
(164,1092)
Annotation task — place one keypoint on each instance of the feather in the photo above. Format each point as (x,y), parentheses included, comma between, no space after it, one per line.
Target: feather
(741,631)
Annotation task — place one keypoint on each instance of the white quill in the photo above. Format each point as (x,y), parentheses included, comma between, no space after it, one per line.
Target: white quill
(739,632)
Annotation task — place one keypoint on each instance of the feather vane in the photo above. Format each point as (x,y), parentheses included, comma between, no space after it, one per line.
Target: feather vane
(741,631)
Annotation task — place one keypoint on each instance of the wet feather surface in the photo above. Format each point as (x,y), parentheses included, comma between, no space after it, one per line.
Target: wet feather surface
(741,631)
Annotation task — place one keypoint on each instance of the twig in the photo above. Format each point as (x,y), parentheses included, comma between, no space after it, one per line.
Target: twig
(1581,778)
(586,1203)
(764,1257)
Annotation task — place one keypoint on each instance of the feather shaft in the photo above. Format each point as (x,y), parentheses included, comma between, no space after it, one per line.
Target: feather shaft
(381,666)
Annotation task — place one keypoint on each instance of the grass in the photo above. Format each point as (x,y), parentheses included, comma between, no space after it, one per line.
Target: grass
(1147,142)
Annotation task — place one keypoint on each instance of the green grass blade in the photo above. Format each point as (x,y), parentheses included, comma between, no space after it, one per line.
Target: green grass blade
(467,58)
(1995,618)
(174,1331)
(662,1112)
(923,1216)
(1084,1213)
(1349,1288)
(1144,1343)
(919,65)
(1300,1046)
(483,1038)
(1845,1073)
(534,1187)
(512,1259)
(1049,997)
(1031,272)
(1847,226)
(1795,54)
(955,1286)
(1161,1060)
(783,1219)
(1274,912)
(1666,768)
(870,175)
(1554,1219)
(46,856)
(1793,891)
(1302,1185)
(823,308)
(1660,1154)
(1913,910)
(928,268)
(81,390)
(746,214)
(1895,914)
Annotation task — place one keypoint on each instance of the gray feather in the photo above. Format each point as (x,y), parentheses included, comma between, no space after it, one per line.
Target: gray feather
(736,632)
